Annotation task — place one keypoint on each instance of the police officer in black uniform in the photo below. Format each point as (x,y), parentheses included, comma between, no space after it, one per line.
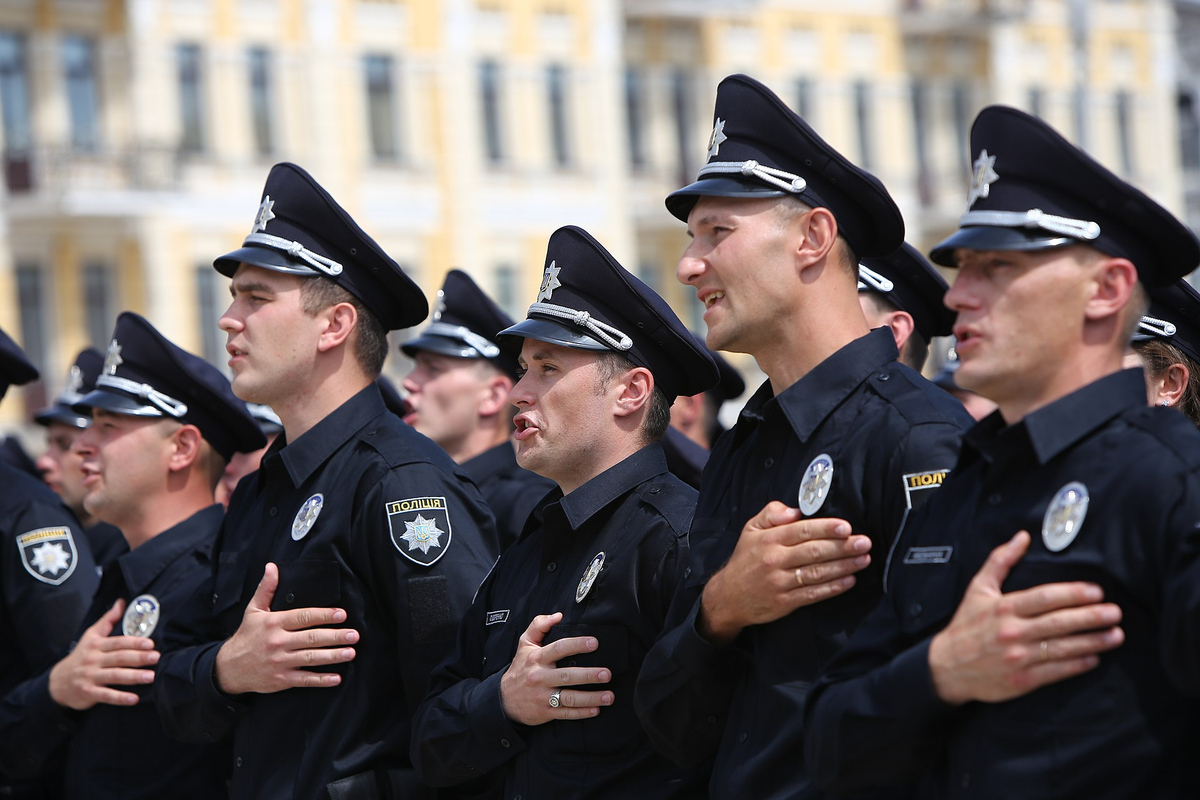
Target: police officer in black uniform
(165,424)
(840,429)
(365,541)
(904,292)
(60,467)
(538,695)
(47,575)
(1167,346)
(458,396)
(1038,637)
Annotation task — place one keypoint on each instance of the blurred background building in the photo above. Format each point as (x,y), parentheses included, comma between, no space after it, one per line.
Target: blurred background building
(135,135)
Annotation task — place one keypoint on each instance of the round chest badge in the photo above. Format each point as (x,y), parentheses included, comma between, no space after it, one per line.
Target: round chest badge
(141,617)
(1064,517)
(814,488)
(306,517)
(589,577)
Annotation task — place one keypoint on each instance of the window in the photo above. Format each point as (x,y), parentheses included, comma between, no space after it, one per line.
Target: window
(862,122)
(961,115)
(1125,131)
(805,99)
(79,69)
(33,320)
(191,98)
(635,117)
(489,98)
(98,306)
(14,92)
(506,291)
(208,292)
(648,274)
(920,116)
(1189,131)
(261,116)
(681,102)
(1037,101)
(381,106)
(556,97)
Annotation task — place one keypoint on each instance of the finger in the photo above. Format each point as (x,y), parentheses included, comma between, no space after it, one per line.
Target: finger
(1054,671)
(1057,624)
(808,595)
(128,658)
(807,530)
(815,552)
(574,698)
(581,676)
(772,515)
(320,637)
(265,592)
(299,619)
(994,571)
(540,626)
(120,676)
(1070,648)
(824,572)
(113,697)
(104,626)
(1050,597)
(112,643)
(303,679)
(564,648)
(297,659)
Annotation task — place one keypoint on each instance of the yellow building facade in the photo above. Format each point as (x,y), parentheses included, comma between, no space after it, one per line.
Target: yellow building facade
(136,134)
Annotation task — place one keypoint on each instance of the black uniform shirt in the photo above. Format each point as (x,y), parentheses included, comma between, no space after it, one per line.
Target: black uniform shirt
(107,544)
(122,751)
(890,436)
(1126,729)
(399,538)
(510,491)
(636,515)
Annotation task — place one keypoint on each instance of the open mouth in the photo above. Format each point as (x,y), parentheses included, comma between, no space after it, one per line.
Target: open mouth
(711,299)
(524,428)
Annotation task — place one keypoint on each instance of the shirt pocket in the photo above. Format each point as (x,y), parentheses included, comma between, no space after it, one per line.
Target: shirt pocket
(308,583)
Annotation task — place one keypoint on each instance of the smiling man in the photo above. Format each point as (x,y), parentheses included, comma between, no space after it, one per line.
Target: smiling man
(1038,635)
(164,424)
(537,697)
(358,539)
(802,500)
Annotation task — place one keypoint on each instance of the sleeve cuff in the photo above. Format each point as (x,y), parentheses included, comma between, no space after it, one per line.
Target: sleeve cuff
(497,736)
(915,698)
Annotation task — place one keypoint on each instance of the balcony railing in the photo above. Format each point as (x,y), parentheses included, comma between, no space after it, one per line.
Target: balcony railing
(54,170)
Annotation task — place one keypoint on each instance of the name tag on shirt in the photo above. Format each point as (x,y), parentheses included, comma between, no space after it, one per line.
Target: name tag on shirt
(928,555)
(496,617)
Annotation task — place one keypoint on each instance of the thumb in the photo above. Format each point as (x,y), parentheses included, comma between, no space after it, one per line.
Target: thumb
(1001,560)
(540,626)
(773,515)
(265,593)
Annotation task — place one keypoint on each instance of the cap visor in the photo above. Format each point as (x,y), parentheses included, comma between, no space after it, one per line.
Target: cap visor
(680,201)
(116,403)
(984,237)
(264,257)
(62,414)
(440,345)
(546,331)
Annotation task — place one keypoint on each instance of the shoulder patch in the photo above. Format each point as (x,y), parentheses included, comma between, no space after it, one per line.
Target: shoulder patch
(48,554)
(420,528)
(917,482)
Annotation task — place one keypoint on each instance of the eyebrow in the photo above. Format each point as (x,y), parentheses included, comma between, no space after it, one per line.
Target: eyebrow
(250,286)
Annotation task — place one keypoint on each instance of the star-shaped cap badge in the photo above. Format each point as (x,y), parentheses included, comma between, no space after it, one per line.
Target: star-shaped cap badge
(265,214)
(550,282)
(985,175)
(112,358)
(718,136)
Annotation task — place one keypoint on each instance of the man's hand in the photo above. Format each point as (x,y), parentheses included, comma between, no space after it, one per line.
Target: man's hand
(268,651)
(99,661)
(780,563)
(531,678)
(1002,646)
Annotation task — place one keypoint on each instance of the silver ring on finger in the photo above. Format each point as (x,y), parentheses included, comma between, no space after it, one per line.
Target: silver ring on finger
(556,698)
(799,578)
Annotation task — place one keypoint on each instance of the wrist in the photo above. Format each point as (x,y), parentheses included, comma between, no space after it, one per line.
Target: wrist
(713,621)
(221,672)
(941,673)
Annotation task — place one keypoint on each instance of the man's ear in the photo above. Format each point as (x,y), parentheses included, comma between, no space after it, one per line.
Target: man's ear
(340,320)
(820,231)
(186,442)
(1114,280)
(636,387)
(902,326)
(494,395)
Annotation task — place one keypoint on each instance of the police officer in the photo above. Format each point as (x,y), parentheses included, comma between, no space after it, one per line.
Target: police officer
(458,396)
(47,575)
(778,221)
(538,693)
(1167,346)
(165,423)
(242,464)
(695,425)
(60,467)
(1038,638)
(365,541)
(904,292)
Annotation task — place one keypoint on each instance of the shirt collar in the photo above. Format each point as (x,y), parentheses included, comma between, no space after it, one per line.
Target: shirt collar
(808,401)
(583,503)
(1057,426)
(142,565)
(489,462)
(302,457)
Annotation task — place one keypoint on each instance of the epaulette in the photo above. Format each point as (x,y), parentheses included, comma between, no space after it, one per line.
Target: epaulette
(914,398)
(673,499)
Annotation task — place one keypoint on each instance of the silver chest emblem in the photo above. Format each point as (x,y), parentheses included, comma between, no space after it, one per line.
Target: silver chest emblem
(589,577)
(306,517)
(1064,517)
(141,617)
(814,488)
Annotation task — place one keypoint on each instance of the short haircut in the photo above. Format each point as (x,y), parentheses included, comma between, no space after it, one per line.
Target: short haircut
(369,340)
(1157,356)
(789,207)
(658,411)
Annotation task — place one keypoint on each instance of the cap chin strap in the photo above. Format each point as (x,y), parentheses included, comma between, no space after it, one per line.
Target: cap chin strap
(601,330)
(1158,328)
(1033,218)
(146,393)
(786,181)
(318,262)
(483,346)
(870,279)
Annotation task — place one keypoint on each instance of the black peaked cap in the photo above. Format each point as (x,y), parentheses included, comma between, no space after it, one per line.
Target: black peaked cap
(300,229)
(81,379)
(464,325)
(15,367)
(1032,190)
(589,301)
(758,143)
(146,375)
(1173,317)
(908,281)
